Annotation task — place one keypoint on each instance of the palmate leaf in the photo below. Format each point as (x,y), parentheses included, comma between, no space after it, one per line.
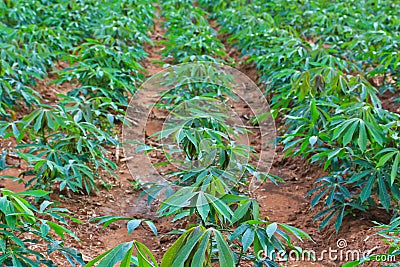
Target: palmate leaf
(126,261)
(383,159)
(177,201)
(384,197)
(60,230)
(358,176)
(348,129)
(122,254)
(266,236)
(205,204)
(7,209)
(113,256)
(193,248)
(187,249)
(362,137)
(271,229)
(131,225)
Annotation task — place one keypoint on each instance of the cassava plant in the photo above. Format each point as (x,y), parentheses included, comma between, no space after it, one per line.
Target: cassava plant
(22,223)
(63,148)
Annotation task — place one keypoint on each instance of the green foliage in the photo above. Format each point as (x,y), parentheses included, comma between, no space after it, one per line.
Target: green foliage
(104,71)
(212,184)
(195,248)
(216,171)
(131,225)
(198,81)
(103,43)
(317,61)
(22,223)
(66,144)
(63,148)
(122,254)
(190,37)
(322,63)
(266,238)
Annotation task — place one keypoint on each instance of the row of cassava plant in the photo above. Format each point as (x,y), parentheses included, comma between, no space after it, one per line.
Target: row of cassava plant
(24,225)
(228,225)
(332,113)
(66,143)
(366,33)
(102,42)
(189,37)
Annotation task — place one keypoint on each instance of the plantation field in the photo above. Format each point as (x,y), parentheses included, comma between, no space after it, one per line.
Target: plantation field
(199,133)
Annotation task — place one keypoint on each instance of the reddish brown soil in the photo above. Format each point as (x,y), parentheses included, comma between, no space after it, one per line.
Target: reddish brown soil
(286,204)
(389,101)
